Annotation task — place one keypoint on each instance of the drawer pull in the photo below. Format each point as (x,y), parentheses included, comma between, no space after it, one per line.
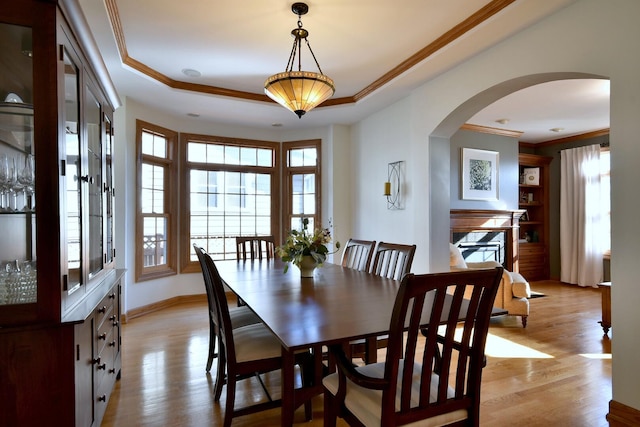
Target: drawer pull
(115,323)
(102,309)
(102,367)
(102,336)
(96,361)
(112,344)
(112,370)
(102,398)
(112,295)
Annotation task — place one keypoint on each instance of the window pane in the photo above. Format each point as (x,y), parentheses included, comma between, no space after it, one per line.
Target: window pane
(154,145)
(310,156)
(154,241)
(196,152)
(152,191)
(232,155)
(263,183)
(265,157)
(248,156)
(303,157)
(296,184)
(297,204)
(215,153)
(147,143)
(309,204)
(159,147)
(263,205)
(296,158)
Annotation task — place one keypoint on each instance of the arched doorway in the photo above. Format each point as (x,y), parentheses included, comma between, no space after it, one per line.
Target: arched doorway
(439,154)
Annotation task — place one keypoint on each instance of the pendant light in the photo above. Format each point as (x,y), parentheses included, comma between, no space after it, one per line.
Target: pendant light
(299,91)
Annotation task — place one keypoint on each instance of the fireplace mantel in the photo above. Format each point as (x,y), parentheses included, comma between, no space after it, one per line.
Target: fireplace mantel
(469,220)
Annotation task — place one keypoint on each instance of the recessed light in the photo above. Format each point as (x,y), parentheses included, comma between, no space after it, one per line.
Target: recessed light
(276,125)
(502,121)
(556,130)
(193,114)
(190,72)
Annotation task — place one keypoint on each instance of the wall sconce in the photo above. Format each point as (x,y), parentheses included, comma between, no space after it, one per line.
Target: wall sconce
(392,186)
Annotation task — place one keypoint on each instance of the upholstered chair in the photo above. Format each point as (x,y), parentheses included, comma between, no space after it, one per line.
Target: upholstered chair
(514,289)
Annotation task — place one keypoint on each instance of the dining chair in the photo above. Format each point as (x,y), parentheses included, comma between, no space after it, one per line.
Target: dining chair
(357,254)
(435,376)
(240,316)
(248,351)
(255,247)
(393,261)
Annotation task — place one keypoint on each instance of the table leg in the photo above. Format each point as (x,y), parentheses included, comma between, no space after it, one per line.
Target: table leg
(288,398)
(606,306)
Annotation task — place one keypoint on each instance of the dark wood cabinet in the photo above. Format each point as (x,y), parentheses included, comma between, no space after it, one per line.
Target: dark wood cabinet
(534,223)
(59,290)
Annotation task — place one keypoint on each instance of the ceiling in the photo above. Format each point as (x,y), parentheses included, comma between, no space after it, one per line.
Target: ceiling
(376,51)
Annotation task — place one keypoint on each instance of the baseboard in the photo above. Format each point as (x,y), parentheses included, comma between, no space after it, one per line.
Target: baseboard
(181,299)
(621,415)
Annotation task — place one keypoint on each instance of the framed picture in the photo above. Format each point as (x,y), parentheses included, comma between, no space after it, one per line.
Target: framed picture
(531,176)
(479,178)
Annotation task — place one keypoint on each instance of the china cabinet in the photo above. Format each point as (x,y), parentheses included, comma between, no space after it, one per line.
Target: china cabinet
(59,288)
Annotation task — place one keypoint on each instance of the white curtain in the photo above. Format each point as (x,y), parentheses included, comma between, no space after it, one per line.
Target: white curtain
(581,216)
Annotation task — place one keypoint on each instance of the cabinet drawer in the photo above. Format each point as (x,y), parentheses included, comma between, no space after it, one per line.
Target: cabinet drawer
(104,335)
(104,362)
(105,308)
(530,249)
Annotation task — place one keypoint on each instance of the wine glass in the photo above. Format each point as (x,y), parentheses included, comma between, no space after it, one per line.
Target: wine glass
(4,179)
(12,184)
(26,179)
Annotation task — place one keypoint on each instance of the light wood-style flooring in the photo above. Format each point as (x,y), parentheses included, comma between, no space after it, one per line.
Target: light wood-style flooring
(556,372)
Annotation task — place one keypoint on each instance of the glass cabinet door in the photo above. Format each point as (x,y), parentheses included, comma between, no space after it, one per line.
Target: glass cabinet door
(18,279)
(73,171)
(94,183)
(109,191)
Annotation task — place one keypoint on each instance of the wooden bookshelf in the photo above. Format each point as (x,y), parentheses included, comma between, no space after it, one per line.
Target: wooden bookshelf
(534,224)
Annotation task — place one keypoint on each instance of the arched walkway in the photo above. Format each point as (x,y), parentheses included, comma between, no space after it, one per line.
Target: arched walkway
(439,154)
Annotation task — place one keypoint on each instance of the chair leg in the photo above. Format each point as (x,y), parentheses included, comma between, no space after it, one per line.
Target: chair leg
(330,411)
(524,321)
(231,397)
(308,375)
(220,375)
(212,348)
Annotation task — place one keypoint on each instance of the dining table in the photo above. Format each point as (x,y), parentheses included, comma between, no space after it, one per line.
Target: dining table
(336,305)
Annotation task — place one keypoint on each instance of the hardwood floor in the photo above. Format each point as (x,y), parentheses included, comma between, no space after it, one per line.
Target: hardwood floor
(556,372)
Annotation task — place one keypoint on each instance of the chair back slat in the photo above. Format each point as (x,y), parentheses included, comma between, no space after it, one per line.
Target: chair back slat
(453,352)
(255,247)
(357,254)
(393,261)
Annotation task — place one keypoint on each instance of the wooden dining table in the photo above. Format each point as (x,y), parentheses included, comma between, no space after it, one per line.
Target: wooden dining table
(337,305)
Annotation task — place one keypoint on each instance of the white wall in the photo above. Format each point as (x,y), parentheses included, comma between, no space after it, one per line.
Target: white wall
(594,37)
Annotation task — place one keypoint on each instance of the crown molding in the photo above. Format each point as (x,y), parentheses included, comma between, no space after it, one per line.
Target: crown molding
(492,131)
(486,12)
(587,135)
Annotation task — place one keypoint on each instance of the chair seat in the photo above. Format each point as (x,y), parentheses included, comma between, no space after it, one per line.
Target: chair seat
(255,342)
(242,316)
(365,403)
